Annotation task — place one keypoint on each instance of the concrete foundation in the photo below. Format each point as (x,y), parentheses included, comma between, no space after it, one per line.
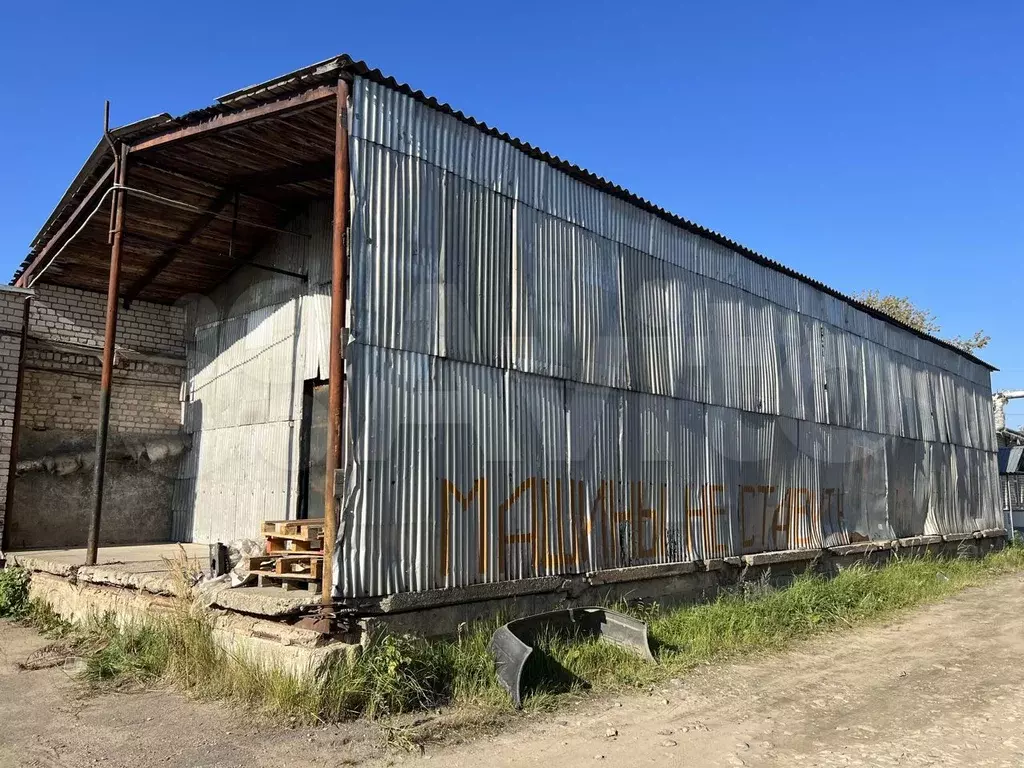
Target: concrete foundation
(259,622)
(137,583)
(441,612)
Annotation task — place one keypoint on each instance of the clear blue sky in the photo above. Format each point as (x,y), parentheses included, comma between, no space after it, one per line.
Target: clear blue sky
(870,145)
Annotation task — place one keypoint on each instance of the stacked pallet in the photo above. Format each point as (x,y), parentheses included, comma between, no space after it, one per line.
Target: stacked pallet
(294,554)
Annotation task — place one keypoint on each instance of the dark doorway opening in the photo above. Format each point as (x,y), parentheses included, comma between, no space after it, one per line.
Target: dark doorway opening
(313,449)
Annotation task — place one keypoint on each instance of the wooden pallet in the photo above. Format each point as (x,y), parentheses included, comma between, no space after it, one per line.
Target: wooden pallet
(289,582)
(306,566)
(284,536)
(306,530)
(294,554)
(281,546)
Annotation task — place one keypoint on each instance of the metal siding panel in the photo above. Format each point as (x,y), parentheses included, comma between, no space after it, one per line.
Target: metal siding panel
(789,347)
(476,265)
(713,505)
(538,455)
(543,290)
(599,332)
(865,505)
(942,490)
(690,372)
(673,245)
(690,474)
(317,266)
(837,377)
(759,370)
(396,242)
(647,323)
(392,407)
(474,475)
(724,349)
(830,456)
(812,503)
(315,332)
(596,471)
(648,434)
(907,485)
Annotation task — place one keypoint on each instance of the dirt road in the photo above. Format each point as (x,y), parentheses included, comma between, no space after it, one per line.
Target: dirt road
(943,686)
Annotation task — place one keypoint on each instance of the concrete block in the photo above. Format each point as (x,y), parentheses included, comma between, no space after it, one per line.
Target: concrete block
(991,533)
(640,573)
(412,601)
(276,644)
(783,556)
(860,548)
(153,576)
(716,564)
(917,541)
(264,601)
(41,565)
(957,536)
(447,619)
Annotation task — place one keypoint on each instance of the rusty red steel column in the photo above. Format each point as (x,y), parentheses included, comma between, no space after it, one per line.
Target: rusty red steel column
(107,371)
(339,276)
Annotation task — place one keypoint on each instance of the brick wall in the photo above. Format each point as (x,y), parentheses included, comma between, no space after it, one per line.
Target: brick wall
(62,386)
(12,308)
(62,393)
(59,411)
(79,317)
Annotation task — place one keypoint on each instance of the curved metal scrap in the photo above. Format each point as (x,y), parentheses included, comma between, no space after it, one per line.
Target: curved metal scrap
(511,644)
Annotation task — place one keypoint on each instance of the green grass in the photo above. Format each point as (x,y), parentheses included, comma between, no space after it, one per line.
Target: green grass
(396,674)
(14,602)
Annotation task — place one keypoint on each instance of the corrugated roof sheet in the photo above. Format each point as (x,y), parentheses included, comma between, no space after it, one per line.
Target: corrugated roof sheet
(330,70)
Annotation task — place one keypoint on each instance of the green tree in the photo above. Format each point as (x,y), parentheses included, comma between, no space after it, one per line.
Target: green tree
(904,310)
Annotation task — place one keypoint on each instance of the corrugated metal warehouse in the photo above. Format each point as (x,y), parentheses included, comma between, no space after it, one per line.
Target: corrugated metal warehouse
(543,374)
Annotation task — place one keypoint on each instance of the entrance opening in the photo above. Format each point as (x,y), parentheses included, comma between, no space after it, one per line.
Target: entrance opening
(313,449)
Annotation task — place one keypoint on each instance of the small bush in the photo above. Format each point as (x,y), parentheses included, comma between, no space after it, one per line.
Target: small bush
(14,603)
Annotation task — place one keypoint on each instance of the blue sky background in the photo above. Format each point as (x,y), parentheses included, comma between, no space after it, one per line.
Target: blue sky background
(869,145)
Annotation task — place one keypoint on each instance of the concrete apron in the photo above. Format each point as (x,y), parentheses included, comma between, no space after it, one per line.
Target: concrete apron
(253,623)
(78,594)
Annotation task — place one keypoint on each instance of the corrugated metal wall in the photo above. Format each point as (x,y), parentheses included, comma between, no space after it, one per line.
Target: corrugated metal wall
(252,344)
(545,379)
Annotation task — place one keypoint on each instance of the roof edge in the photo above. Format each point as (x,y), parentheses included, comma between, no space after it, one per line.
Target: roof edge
(344,65)
(599,182)
(91,164)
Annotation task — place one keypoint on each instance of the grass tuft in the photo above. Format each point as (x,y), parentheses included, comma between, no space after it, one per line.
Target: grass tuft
(398,674)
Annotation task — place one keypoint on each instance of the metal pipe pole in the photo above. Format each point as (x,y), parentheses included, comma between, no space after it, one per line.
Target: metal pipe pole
(107,371)
(339,275)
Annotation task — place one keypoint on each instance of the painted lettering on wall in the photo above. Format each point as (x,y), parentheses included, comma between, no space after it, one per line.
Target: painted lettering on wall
(543,525)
